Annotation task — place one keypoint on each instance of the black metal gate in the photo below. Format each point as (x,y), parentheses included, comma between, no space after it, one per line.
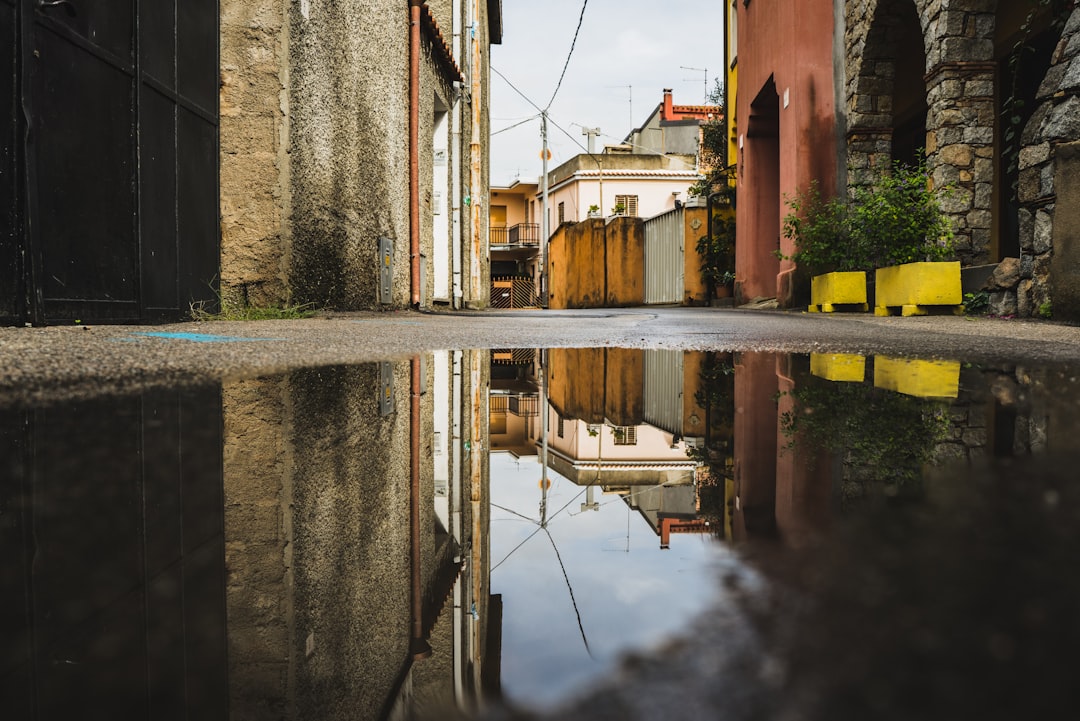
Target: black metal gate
(109,159)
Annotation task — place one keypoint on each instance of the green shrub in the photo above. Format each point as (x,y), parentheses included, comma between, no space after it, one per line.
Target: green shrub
(896,220)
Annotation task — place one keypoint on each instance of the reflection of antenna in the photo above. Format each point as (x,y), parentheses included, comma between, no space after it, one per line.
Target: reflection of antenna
(699,70)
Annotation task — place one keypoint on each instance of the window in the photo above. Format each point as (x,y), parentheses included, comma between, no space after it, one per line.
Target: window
(629,204)
(625,435)
(562,213)
(562,427)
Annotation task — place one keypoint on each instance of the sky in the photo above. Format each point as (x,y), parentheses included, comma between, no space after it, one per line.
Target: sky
(626,53)
(630,594)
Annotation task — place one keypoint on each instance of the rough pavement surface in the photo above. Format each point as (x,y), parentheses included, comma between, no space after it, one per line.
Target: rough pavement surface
(37,364)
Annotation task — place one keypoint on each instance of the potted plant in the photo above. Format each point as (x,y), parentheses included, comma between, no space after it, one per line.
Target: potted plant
(838,262)
(897,221)
(619,209)
(903,217)
(594,211)
(717,254)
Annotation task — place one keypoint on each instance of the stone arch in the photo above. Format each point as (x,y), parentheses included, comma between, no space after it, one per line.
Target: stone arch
(1049,187)
(881,36)
(958,48)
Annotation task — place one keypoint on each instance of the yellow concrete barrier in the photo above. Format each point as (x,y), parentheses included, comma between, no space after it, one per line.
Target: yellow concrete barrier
(844,367)
(843,288)
(912,288)
(920,378)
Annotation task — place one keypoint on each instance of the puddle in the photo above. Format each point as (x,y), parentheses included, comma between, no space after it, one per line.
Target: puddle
(749,535)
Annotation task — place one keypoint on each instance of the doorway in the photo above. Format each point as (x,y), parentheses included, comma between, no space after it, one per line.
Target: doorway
(109,158)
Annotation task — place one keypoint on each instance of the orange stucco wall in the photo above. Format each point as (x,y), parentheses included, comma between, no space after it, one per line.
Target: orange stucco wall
(784,140)
(625,262)
(598,384)
(695,292)
(594,264)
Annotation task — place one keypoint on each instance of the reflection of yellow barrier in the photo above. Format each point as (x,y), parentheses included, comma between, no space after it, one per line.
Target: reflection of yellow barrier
(913,286)
(830,290)
(921,378)
(838,366)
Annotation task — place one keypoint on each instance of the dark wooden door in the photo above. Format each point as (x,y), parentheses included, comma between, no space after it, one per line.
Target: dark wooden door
(118,215)
(10,267)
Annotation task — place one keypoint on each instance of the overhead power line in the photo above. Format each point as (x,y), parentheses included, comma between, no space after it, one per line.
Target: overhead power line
(568,55)
(511,127)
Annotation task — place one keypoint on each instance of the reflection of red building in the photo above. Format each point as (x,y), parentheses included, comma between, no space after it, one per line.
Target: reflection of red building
(786,131)
(780,489)
(680,525)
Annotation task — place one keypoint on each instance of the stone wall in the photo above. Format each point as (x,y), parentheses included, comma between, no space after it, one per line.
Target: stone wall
(959,48)
(959,43)
(254,139)
(1056,122)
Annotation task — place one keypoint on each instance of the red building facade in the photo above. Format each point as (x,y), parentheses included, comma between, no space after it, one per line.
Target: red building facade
(787,132)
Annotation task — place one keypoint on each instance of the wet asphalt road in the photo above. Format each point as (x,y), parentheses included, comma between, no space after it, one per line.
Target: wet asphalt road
(38,364)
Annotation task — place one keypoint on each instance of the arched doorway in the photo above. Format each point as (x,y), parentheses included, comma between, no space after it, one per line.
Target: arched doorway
(759,179)
(909,108)
(887,108)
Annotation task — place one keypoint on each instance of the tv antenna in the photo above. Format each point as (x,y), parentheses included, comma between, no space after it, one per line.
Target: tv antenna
(699,70)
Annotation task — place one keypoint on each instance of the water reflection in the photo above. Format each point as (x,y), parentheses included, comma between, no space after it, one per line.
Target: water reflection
(402,539)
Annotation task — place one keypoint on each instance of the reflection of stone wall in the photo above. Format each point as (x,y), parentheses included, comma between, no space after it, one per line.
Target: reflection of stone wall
(257,549)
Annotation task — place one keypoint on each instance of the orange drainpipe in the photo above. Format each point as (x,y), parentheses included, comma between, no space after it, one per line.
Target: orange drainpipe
(418,646)
(414,150)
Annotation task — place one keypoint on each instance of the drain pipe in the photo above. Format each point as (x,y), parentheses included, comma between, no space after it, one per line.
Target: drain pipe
(414,151)
(418,647)
(455,172)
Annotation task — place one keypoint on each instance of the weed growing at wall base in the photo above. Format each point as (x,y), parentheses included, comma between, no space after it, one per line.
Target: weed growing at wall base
(237,310)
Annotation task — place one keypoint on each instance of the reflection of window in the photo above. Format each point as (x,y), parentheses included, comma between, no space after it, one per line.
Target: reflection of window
(625,435)
(629,204)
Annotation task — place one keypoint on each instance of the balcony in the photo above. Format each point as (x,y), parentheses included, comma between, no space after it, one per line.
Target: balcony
(522,235)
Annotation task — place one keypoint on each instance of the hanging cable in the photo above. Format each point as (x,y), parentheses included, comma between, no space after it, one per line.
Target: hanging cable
(568,55)
(570,588)
(511,127)
(515,89)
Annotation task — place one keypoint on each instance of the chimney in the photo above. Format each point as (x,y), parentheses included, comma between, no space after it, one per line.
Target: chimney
(668,111)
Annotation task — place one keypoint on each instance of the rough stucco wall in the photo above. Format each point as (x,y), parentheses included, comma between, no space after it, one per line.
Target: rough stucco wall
(315,157)
(253,137)
(348,150)
(351,529)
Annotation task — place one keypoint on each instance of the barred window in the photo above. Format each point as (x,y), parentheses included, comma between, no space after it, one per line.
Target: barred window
(562,213)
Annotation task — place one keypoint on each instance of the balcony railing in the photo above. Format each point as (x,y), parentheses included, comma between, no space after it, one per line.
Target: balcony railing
(515,235)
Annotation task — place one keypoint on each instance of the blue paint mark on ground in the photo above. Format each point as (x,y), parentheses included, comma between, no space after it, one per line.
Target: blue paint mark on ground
(203,337)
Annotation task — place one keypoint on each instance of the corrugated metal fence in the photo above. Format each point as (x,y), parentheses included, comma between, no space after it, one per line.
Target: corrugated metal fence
(664,248)
(663,371)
